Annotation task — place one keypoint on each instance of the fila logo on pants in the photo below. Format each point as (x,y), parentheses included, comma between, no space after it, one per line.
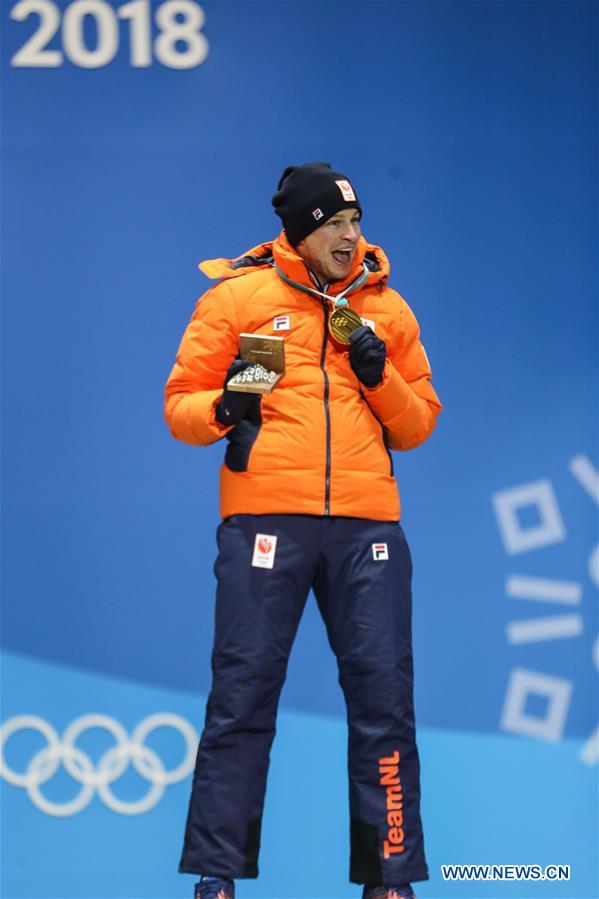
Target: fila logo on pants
(389,778)
(380,552)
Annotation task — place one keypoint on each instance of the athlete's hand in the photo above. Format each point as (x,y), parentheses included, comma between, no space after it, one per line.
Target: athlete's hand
(367,354)
(234,405)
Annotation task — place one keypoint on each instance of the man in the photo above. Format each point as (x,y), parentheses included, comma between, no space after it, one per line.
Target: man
(308,500)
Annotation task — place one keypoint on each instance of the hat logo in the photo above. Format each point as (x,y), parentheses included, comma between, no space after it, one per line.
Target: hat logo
(318,214)
(346,190)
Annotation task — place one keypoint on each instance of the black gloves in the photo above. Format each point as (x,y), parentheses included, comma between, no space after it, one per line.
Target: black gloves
(367,355)
(233,405)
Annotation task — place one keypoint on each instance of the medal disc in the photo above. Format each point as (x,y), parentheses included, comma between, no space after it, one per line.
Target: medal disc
(342,322)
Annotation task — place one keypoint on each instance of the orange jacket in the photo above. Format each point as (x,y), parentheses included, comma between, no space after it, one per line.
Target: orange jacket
(322,445)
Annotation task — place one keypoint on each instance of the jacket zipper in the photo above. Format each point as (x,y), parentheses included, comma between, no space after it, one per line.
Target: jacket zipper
(327,479)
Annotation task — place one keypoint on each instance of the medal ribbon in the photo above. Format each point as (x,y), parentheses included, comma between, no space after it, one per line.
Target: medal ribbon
(338,300)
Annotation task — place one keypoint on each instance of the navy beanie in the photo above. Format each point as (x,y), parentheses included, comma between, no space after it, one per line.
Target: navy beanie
(308,195)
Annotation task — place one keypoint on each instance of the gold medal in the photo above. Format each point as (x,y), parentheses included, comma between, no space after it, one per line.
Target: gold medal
(342,322)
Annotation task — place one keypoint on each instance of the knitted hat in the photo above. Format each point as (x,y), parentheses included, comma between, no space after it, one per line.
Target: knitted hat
(308,195)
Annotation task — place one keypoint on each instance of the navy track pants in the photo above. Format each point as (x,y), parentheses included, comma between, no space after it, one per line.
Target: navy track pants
(360,571)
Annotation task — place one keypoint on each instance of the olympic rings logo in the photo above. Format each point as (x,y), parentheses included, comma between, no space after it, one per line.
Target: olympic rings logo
(109,768)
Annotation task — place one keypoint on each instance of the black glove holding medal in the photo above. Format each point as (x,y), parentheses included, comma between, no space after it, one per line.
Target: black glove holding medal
(235,406)
(367,354)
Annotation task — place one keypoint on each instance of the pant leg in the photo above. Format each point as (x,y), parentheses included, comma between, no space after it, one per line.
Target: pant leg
(363,589)
(257,614)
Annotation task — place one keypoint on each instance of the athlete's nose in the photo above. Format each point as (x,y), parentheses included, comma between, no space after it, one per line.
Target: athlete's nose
(351,231)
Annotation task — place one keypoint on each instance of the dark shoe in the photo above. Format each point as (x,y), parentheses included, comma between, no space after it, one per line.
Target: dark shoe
(214,888)
(385,892)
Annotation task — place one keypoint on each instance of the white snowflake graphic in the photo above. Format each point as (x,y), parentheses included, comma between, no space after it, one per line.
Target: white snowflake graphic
(517,538)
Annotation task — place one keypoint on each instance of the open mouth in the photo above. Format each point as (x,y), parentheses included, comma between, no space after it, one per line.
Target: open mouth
(342,257)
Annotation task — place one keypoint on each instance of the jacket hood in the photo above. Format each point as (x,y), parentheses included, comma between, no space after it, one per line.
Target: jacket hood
(293,266)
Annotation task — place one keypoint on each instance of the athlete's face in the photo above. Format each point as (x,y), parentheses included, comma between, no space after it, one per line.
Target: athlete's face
(329,251)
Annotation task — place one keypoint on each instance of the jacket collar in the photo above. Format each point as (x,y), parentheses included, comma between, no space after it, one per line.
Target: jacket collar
(294,267)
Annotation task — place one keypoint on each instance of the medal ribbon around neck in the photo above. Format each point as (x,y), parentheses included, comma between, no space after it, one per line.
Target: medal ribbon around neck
(343,319)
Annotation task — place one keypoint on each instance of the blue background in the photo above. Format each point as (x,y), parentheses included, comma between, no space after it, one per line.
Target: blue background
(470,132)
